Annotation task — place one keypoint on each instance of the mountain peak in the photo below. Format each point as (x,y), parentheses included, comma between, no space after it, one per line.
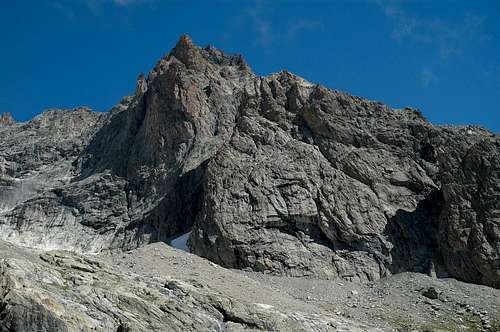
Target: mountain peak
(184,41)
(186,52)
(198,58)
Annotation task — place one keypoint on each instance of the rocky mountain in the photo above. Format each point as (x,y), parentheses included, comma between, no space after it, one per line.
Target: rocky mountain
(271,174)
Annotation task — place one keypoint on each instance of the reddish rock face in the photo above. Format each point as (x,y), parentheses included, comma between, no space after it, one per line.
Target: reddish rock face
(6,119)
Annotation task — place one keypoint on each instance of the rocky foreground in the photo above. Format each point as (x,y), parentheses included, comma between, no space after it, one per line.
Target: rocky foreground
(159,288)
(339,212)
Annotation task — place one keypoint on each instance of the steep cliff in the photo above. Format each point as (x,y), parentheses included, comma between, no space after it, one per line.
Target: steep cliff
(269,173)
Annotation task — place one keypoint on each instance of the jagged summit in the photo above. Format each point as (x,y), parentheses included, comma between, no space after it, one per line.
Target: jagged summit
(184,44)
(197,58)
(189,54)
(185,40)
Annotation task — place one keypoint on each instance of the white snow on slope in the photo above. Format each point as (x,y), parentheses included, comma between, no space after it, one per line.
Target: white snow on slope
(181,242)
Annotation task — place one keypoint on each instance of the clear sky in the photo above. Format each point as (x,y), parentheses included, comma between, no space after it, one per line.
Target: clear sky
(442,57)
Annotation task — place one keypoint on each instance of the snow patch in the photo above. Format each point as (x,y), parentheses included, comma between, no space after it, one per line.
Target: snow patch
(181,242)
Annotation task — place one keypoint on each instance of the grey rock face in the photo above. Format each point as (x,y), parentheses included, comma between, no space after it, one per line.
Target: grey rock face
(35,163)
(318,193)
(470,219)
(271,174)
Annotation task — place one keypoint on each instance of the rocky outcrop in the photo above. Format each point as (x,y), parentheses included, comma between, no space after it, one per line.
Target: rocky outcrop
(270,173)
(470,219)
(6,119)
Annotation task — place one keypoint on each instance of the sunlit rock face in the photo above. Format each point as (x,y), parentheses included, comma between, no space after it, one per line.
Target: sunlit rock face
(268,173)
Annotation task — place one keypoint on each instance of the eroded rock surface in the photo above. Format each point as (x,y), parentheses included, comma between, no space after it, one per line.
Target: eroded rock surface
(470,218)
(63,291)
(269,173)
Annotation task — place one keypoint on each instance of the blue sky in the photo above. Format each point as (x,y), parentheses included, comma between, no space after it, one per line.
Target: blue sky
(442,57)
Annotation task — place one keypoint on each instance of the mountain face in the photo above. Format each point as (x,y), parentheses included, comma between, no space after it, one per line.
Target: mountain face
(270,174)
